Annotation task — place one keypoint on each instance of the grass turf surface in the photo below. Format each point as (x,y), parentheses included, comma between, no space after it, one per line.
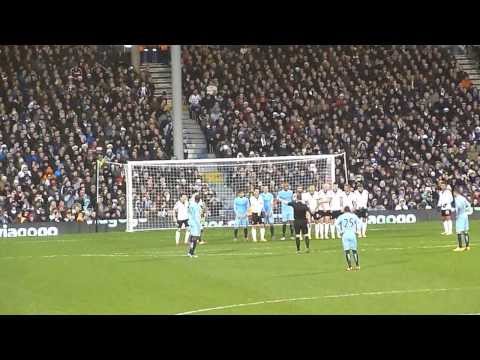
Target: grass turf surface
(406,269)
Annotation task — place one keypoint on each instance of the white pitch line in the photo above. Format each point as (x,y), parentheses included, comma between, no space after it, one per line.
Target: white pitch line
(371,293)
(202,254)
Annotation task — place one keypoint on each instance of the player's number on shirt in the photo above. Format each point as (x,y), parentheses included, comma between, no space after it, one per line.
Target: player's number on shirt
(348,223)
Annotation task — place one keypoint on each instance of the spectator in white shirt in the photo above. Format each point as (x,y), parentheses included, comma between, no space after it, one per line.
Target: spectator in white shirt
(401,205)
(194,102)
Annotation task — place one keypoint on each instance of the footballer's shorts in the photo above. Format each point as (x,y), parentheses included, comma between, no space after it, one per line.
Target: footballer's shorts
(349,242)
(256,219)
(323,214)
(195,231)
(182,224)
(268,218)
(461,223)
(300,226)
(241,221)
(336,214)
(362,213)
(287,214)
(446,213)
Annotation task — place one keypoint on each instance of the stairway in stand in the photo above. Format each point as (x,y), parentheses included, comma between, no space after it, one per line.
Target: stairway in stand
(471,66)
(161,77)
(193,137)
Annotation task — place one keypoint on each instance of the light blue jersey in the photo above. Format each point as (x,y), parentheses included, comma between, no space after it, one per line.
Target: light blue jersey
(194,218)
(240,207)
(287,211)
(267,207)
(462,210)
(347,225)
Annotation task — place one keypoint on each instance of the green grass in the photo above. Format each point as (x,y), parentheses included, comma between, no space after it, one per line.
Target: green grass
(406,269)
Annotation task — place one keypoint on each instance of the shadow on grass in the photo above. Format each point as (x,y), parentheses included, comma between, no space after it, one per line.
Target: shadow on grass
(305,274)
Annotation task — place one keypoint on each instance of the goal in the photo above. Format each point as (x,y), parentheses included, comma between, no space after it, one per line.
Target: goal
(153,187)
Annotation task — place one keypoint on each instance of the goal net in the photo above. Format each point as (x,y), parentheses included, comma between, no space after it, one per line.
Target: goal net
(153,187)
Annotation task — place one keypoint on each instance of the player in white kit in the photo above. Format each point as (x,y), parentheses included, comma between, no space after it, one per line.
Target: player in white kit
(336,206)
(324,213)
(310,198)
(445,200)
(180,211)
(348,198)
(256,208)
(361,205)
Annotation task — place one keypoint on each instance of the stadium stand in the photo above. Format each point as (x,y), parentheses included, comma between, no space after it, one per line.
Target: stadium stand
(61,108)
(407,116)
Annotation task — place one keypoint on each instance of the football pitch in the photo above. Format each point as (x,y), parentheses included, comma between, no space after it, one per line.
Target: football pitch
(405,269)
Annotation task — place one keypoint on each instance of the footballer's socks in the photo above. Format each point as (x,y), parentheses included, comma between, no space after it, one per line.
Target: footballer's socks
(347,256)
(355,256)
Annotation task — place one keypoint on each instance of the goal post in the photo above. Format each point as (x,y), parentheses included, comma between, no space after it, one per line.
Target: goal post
(153,187)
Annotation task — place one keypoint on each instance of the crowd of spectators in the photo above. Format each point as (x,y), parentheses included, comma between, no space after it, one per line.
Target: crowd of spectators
(61,109)
(157,189)
(406,116)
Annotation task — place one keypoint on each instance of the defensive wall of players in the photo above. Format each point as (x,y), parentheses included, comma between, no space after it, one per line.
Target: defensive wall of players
(50,229)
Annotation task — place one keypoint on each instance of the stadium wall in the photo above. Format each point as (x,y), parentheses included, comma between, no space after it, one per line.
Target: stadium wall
(52,229)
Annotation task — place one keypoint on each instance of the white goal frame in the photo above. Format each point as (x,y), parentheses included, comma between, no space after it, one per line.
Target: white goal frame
(130,165)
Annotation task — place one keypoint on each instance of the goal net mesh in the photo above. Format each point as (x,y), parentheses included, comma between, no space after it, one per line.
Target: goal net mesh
(153,187)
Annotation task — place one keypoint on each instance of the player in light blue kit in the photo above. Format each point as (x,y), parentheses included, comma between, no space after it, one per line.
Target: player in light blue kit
(462,210)
(240,208)
(194,222)
(285,196)
(347,225)
(267,198)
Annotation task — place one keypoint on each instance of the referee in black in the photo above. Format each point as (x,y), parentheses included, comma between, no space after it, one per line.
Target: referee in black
(300,223)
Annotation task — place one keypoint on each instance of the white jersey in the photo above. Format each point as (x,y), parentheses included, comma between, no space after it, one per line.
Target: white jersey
(324,198)
(256,204)
(181,210)
(311,200)
(336,202)
(445,199)
(361,199)
(349,200)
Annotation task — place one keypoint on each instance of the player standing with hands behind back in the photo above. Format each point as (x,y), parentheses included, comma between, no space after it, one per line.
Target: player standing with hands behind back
(181,216)
(445,200)
(347,225)
(361,204)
